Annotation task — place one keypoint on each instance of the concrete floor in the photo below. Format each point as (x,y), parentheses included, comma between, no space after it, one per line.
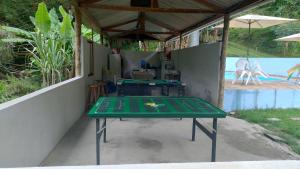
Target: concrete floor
(163,141)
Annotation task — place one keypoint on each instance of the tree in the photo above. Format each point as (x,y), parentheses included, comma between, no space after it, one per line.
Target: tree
(16,12)
(263,39)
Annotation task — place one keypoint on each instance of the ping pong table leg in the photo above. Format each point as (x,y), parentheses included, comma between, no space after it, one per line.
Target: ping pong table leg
(162,91)
(181,91)
(104,132)
(119,93)
(98,141)
(214,141)
(193,129)
(119,90)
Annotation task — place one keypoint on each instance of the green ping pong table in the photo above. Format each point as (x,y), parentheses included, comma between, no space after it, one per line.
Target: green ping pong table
(124,86)
(155,107)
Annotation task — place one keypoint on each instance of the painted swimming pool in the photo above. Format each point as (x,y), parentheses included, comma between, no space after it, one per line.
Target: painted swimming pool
(231,76)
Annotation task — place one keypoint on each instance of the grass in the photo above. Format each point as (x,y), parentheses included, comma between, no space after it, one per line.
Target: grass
(238,50)
(12,87)
(286,127)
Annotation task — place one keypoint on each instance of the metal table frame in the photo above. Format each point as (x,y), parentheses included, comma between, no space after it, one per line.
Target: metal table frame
(101,130)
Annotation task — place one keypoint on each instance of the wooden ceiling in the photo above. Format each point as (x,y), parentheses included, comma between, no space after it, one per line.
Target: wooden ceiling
(211,9)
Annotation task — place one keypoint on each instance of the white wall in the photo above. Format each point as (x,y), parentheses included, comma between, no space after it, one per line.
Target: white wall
(131,60)
(135,57)
(32,125)
(100,54)
(199,68)
(100,60)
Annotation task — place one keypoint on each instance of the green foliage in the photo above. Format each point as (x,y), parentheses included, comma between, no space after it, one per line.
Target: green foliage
(3,96)
(287,127)
(92,35)
(66,29)
(16,13)
(239,50)
(6,54)
(135,46)
(131,45)
(51,44)
(152,45)
(2,88)
(284,8)
(13,87)
(20,86)
(262,40)
(42,19)
(89,34)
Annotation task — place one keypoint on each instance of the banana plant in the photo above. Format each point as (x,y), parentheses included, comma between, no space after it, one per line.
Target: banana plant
(51,41)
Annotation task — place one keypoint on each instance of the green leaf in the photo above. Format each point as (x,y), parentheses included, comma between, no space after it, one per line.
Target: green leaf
(54,20)
(62,11)
(42,18)
(66,28)
(17,31)
(15,40)
(32,19)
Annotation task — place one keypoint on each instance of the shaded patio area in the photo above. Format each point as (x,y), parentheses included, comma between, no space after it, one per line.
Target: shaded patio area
(163,141)
(46,120)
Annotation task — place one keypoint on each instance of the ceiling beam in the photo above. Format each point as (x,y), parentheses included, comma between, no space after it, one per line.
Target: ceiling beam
(209,4)
(153,36)
(141,21)
(198,25)
(161,24)
(88,1)
(163,33)
(246,4)
(154,3)
(139,31)
(147,9)
(120,24)
(92,21)
(123,34)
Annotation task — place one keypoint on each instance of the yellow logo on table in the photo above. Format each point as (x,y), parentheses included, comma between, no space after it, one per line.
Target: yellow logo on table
(154,105)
